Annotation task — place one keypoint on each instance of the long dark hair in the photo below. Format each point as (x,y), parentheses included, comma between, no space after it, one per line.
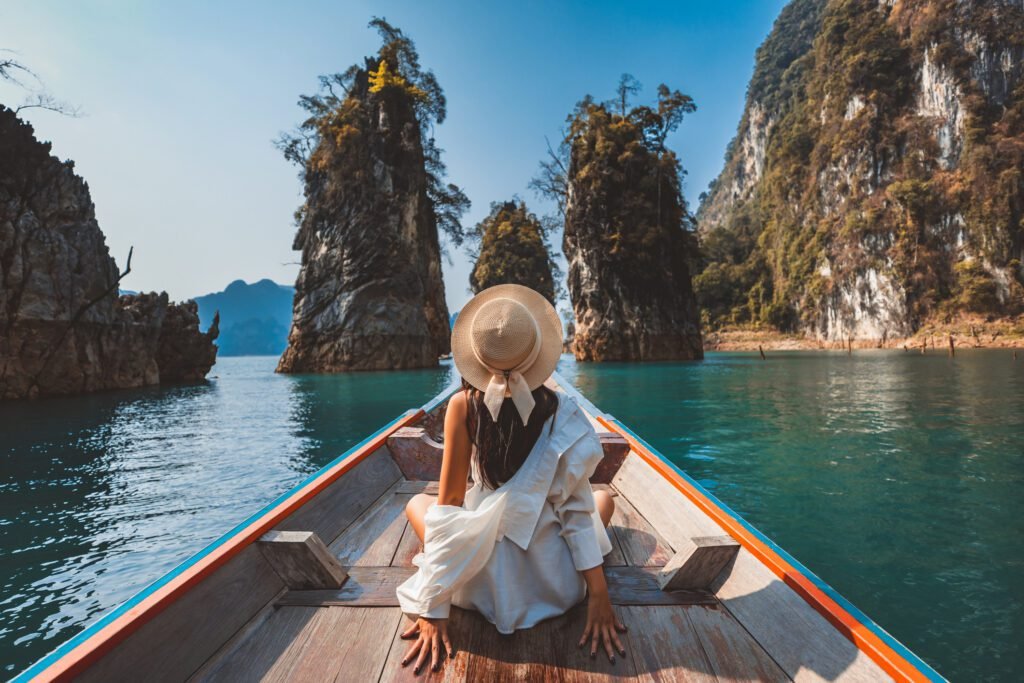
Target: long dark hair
(502,446)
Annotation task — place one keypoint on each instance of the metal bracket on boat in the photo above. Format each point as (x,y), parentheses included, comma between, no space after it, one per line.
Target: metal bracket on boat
(302,560)
(698,563)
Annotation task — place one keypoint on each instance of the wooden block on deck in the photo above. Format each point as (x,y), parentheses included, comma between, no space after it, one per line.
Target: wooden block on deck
(302,560)
(698,563)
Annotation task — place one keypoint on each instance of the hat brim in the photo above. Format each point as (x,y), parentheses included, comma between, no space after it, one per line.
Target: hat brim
(473,371)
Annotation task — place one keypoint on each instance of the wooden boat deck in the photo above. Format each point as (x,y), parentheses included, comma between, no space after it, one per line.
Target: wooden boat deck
(352,634)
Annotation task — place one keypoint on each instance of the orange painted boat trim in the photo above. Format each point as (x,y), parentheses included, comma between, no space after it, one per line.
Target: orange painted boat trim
(869,643)
(90,651)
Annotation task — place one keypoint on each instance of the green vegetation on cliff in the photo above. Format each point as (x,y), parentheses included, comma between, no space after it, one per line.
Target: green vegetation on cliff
(336,145)
(888,171)
(513,248)
(628,235)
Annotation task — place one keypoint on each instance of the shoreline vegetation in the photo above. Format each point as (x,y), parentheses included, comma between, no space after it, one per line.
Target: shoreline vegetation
(967,332)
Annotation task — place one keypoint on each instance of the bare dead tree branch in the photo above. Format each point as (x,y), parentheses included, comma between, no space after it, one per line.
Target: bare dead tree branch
(78,316)
(13,71)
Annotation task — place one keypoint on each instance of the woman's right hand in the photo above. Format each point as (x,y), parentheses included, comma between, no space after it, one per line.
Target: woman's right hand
(431,635)
(603,627)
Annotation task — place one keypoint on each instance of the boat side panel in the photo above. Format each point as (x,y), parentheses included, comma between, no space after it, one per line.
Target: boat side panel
(786,626)
(176,642)
(341,503)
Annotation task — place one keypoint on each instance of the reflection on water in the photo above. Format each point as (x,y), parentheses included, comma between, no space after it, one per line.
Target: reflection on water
(100,495)
(898,478)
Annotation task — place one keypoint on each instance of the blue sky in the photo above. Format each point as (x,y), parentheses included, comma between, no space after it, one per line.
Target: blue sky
(183,99)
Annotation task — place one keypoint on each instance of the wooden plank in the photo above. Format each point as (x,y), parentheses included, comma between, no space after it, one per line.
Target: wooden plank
(664,645)
(366,587)
(235,593)
(427,487)
(337,506)
(546,652)
(793,633)
(371,540)
(236,641)
(376,586)
(642,545)
(309,644)
(266,654)
(302,560)
(345,644)
(616,558)
(734,655)
(699,563)
(639,586)
(670,512)
(408,547)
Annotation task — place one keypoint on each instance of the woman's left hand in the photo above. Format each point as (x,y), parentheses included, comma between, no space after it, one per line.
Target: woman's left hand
(431,635)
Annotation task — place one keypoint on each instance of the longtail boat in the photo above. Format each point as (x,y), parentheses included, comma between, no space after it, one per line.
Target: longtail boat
(304,589)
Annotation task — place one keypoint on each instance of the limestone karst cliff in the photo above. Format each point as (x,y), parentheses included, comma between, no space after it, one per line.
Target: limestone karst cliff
(877,177)
(369,295)
(628,238)
(63,327)
(513,249)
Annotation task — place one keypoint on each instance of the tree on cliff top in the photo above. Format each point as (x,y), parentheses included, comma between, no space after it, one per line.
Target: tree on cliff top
(617,155)
(628,235)
(513,248)
(38,97)
(337,115)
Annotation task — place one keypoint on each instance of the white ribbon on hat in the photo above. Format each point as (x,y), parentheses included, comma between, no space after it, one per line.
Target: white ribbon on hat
(511,380)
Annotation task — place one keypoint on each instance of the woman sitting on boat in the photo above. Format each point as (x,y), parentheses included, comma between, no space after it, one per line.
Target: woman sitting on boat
(527,541)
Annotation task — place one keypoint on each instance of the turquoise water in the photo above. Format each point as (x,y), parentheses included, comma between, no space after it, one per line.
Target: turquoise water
(898,478)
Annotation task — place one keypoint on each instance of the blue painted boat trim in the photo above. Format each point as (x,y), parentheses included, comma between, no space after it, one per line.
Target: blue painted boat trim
(898,647)
(103,621)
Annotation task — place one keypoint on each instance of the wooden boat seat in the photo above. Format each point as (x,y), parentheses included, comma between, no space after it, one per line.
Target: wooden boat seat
(418,454)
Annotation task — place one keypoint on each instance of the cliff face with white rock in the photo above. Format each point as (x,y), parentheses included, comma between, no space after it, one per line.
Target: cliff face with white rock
(877,176)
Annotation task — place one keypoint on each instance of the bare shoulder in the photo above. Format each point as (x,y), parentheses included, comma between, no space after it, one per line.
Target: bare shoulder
(457,405)
(457,410)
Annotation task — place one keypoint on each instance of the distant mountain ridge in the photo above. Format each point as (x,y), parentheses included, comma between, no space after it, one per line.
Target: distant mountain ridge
(254,318)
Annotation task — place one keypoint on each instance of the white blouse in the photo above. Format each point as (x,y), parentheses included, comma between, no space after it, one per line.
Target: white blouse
(515,553)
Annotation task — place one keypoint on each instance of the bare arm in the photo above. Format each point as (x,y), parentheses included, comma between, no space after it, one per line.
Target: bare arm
(432,634)
(457,450)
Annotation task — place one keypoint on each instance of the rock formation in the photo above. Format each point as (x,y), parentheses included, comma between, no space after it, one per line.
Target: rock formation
(513,249)
(877,177)
(369,295)
(627,235)
(63,327)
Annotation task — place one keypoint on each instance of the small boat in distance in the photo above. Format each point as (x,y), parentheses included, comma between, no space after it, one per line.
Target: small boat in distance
(304,590)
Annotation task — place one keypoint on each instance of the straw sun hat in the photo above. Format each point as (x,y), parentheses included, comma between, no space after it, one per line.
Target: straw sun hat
(506,342)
